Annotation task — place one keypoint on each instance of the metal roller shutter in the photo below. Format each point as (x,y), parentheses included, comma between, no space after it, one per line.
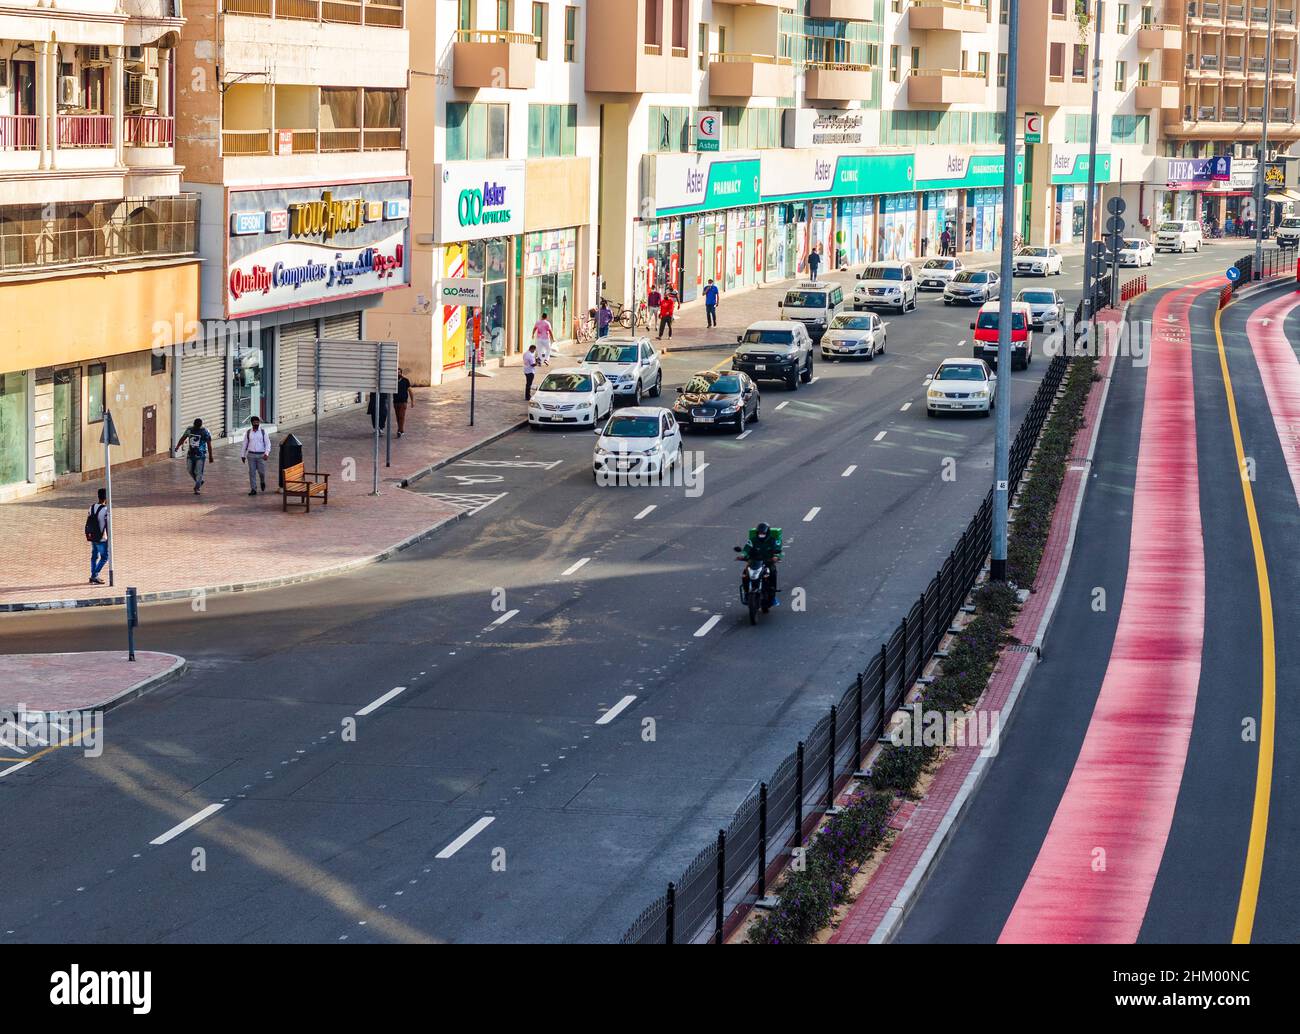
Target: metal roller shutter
(203,392)
(346,327)
(295,404)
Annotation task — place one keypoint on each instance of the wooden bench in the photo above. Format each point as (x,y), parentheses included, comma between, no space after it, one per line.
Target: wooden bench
(302,485)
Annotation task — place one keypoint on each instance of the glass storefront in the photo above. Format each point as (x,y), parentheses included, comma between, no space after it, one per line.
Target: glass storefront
(896,228)
(664,256)
(853,232)
(14,435)
(983,230)
(490,259)
(250,381)
(549,258)
(67,421)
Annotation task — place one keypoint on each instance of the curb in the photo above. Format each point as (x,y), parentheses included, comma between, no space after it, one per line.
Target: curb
(924,867)
(178,668)
(213,590)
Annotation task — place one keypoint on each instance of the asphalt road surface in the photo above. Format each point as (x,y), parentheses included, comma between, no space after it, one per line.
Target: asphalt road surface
(521,729)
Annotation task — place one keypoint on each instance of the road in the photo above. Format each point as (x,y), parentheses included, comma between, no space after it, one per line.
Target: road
(549,721)
(1147,790)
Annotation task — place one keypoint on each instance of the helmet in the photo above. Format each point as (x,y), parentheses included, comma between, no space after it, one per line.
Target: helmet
(761,531)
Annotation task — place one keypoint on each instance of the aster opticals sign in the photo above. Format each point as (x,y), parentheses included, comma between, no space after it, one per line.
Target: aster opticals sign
(480,200)
(296,246)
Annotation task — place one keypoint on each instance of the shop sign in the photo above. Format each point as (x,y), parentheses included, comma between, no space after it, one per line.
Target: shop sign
(296,274)
(480,200)
(242,223)
(824,127)
(1068,167)
(938,168)
(812,175)
(686,183)
(1033,127)
(1275,175)
(1198,170)
(461,291)
(708,131)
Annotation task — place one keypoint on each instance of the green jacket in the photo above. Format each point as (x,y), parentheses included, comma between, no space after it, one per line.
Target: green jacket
(766,550)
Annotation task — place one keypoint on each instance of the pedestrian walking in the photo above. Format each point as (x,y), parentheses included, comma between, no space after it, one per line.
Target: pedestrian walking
(530,371)
(653,300)
(543,335)
(604,317)
(711,304)
(944,239)
(667,306)
(404,397)
(814,264)
(377,410)
(255,452)
(97,536)
(198,452)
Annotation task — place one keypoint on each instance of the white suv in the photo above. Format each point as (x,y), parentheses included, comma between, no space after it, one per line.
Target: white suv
(1179,235)
(631,364)
(888,284)
(1288,232)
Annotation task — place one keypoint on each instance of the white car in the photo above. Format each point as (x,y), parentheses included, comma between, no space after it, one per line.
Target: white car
(637,445)
(1038,261)
(854,335)
(571,396)
(890,284)
(973,287)
(1179,235)
(1288,232)
(1046,307)
(935,273)
(813,305)
(1137,252)
(631,364)
(962,386)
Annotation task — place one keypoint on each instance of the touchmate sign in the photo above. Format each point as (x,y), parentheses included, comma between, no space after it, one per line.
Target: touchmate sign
(479,200)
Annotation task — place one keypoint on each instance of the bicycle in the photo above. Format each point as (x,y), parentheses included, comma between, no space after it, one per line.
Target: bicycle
(585,329)
(623,316)
(1017,242)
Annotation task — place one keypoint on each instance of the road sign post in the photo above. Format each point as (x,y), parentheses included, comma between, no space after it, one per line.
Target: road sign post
(108,436)
(354,366)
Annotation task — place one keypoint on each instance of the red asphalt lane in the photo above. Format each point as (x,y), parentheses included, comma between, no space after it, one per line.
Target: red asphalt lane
(1092,879)
(1279,370)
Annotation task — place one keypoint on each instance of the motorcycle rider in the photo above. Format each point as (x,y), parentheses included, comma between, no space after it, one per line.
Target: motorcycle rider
(763,545)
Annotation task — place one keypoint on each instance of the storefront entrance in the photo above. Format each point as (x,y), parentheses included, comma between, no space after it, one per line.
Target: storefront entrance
(67,421)
(13,428)
(250,381)
(549,258)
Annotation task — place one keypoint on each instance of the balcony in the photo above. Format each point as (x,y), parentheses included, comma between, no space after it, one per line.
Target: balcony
(750,75)
(1206,113)
(1153,95)
(19,132)
(827,81)
(150,131)
(483,59)
(1255,113)
(245,143)
(946,16)
(1234,65)
(839,10)
(1282,114)
(1236,12)
(1209,62)
(1160,37)
(1283,66)
(634,57)
(85,131)
(1212,12)
(943,86)
(1258,64)
(1231,113)
(382,13)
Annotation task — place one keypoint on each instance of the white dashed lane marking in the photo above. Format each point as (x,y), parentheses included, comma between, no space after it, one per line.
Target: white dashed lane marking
(644,513)
(575,567)
(615,711)
(812,514)
(505,617)
(848,471)
(193,820)
(782,405)
(381,701)
(880,437)
(707,627)
(466,837)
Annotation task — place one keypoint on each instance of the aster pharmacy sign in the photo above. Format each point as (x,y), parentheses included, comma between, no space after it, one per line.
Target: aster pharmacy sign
(298,246)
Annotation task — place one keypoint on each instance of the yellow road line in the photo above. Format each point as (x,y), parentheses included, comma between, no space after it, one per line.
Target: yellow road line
(1250,880)
(52,747)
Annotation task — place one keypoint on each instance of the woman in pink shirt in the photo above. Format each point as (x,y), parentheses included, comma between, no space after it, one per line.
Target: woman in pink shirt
(543,335)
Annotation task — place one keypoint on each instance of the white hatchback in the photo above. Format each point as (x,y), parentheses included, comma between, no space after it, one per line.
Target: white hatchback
(571,396)
(638,445)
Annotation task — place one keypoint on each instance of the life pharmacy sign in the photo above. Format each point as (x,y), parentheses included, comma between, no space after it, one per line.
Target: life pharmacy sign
(479,200)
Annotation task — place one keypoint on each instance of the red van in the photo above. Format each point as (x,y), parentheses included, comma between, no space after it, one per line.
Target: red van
(1022,334)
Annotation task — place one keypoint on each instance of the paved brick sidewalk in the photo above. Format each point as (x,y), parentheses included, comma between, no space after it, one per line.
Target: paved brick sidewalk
(169,541)
(878,909)
(57,682)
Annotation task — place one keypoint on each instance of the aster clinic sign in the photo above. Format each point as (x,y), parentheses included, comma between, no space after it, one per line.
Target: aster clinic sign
(478,200)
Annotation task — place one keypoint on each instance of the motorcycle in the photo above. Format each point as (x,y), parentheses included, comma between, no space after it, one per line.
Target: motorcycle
(756,591)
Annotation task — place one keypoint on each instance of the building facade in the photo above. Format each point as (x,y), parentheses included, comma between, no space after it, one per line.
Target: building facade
(98,240)
(292,131)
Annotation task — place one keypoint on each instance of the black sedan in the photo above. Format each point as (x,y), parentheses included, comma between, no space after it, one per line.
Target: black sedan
(713,397)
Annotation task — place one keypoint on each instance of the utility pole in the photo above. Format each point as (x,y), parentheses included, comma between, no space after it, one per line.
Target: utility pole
(1090,205)
(1002,445)
(1261,166)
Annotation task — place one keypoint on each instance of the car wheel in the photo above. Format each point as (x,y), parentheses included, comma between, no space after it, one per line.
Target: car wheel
(792,382)
(929,411)
(636,395)
(807,375)
(871,356)
(659,385)
(754,418)
(740,420)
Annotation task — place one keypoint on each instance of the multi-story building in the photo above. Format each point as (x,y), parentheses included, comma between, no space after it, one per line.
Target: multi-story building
(292,131)
(98,265)
(1216,91)
(503,167)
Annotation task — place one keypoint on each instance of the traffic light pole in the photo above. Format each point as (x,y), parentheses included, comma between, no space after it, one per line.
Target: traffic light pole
(1261,165)
(1090,204)
(1002,391)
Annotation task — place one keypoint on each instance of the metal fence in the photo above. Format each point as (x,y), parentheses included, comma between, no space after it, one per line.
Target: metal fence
(778,814)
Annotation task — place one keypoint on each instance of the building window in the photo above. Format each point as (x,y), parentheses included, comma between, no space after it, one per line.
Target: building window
(1121,76)
(1079,68)
(916,58)
(552,130)
(505,15)
(1077,128)
(95,393)
(704,46)
(157,363)
(539,29)
(1003,7)
(476,131)
(1130,129)
(570,34)
(895,56)
(1148,16)
(1121,19)
(669,130)
(1002,70)
(983,65)
(1144,72)
(465,15)
(14,434)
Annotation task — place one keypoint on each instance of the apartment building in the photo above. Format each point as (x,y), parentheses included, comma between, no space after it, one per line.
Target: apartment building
(292,131)
(504,174)
(1218,87)
(98,241)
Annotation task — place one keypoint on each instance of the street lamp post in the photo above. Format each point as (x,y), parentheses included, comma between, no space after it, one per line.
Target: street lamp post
(1261,165)
(1002,392)
(1090,204)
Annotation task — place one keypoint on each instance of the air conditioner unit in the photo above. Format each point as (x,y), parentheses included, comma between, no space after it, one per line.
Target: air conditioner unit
(69,90)
(142,91)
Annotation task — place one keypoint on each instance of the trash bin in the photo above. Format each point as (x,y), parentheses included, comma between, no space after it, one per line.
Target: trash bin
(290,455)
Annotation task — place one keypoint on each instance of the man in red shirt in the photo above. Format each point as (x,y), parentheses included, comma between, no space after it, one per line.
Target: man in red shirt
(667,305)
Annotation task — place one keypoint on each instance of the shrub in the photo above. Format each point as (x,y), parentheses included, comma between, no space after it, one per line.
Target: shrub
(898,768)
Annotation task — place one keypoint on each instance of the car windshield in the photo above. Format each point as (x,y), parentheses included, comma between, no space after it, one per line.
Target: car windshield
(968,277)
(882,273)
(1171,227)
(1038,297)
(769,337)
(1291,222)
(849,321)
(806,299)
(1034,252)
(960,373)
(1134,245)
(565,382)
(939,264)
(989,321)
(633,427)
(610,353)
(713,384)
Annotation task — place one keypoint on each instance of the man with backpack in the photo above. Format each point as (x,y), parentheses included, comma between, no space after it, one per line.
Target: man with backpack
(199,451)
(97,536)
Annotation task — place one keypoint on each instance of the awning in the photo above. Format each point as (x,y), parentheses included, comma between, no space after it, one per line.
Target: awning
(1280,199)
(1291,194)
